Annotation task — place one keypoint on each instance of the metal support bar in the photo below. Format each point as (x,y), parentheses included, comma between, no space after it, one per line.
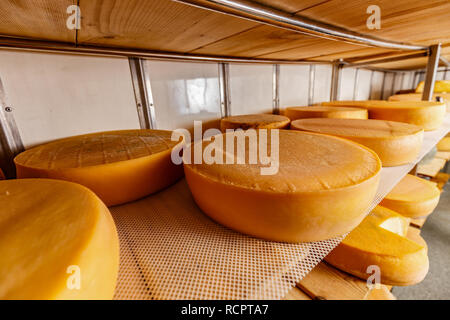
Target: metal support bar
(264,14)
(10,140)
(312,78)
(142,93)
(276,89)
(383,83)
(371,84)
(430,77)
(393,84)
(385,60)
(336,80)
(355,83)
(224,84)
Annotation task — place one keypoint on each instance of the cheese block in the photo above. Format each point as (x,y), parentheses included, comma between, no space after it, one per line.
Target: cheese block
(381,240)
(418,97)
(254,121)
(2,176)
(428,115)
(321,188)
(295,113)
(439,86)
(413,197)
(57,241)
(396,143)
(119,166)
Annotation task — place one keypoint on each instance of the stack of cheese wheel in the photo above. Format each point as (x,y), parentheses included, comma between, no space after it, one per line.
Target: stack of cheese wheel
(381,240)
(396,143)
(428,115)
(413,197)
(119,166)
(312,187)
(57,241)
(254,121)
(295,113)
(418,97)
(440,86)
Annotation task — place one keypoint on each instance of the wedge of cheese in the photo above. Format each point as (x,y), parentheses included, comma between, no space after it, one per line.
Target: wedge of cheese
(428,115)
(57,241)
(295,113)
(413,197)
(439,86)
(381,240)
(418,97)
(119,166)
(396,143)
(319,186)
(254,121)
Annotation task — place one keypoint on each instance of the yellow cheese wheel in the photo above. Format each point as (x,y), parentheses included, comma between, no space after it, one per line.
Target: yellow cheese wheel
(381,240)
(418,97)
(396,143)
(57,241)
(295,113)
(444,144)
(439,86)
(254,121)
(322,188)
(413,197)
(428,115)
(119,166)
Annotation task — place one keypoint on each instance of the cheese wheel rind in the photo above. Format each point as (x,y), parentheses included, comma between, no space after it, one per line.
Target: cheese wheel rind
(51,232)
(287,211)
(295,113)
(395,143)
(254,121)
(413,197)
(402,260)
(428,115)
(127,177)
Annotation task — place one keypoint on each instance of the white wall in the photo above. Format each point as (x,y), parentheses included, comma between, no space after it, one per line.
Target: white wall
(294,85)
(55,96)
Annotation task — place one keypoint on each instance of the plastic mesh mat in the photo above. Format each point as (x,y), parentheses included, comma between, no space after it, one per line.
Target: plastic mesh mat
(171,250)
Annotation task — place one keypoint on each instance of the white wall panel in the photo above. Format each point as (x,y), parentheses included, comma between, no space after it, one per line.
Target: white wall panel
(362,91)
(322,83)
(250,88)
(55,96)
(294,85)
(184,92)
(377,83)
(347,84)
(388,86)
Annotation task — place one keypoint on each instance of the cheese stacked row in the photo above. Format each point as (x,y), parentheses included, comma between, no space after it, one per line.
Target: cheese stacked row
(295,113)
(254,121)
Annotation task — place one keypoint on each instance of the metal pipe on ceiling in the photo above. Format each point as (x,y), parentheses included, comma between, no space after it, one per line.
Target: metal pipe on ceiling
(277,18)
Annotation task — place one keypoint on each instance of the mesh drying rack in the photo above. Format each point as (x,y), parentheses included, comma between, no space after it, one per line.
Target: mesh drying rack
(171,250)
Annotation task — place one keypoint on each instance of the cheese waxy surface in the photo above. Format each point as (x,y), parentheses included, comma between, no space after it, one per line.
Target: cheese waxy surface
(413,197)
(439,86)
(53,230)
(254,121)
(381,240)
(322,189)
(396,143)
(295,113)
(119,166)
(425,114)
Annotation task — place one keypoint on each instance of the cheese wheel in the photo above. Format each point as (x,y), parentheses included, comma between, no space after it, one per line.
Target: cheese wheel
(295,113)
(378,241)
(2,176)
(119,166)
(254,121)
(413,197)
(428,115)
(444,144)
(418,97)
(57,241)
(396,143)
(322,188)
(439,86)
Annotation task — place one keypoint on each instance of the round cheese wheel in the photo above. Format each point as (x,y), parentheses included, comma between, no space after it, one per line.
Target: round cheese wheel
(439,86)
(377,241)
(322,188)
(119,166)
(254,121)
(396,143)
(428,115)
(418,97)
(57,241)
(295,113)
(444,144)
(413,197)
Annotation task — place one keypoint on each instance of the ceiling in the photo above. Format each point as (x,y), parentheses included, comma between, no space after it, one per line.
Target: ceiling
(169,26)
